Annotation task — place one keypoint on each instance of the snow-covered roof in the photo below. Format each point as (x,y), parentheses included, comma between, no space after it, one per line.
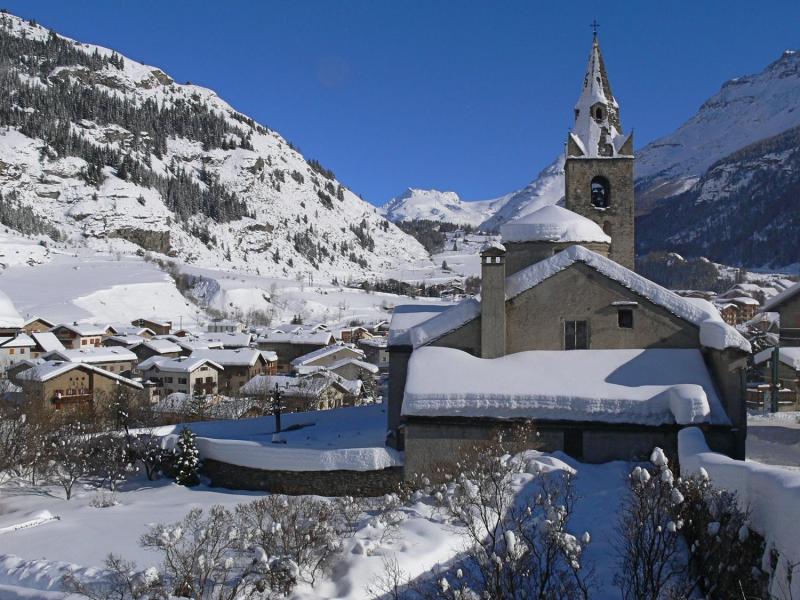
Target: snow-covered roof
(229,339)
(236,357)
(9,317)
(131,330)
(779,299)
(21,340)
(53,368)
(100,354)
(714,332)
(159,346)
(82,329)
(300,337)
(553,224)
(311,385)
(47,341)
(493,245)
(181,364)
(327,351)
(407,316)
(788,355)
(35,318)
(649,387)
(335,366)
(378,341)
(745,300)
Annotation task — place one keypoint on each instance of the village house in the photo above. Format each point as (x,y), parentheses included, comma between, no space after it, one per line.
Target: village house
(603,363)
(729,312)
(747,308)
(155,347)
(321,390)
(323,357)
(289,346)
(375,351)
(77,336)
(131,330)
(112,359)
(225,326)
(16,348)
(192,376)
(787,305)
(240,366)
(238,339)
(788,367)
(157,326)
(59,384)
(351,335)
(37,325)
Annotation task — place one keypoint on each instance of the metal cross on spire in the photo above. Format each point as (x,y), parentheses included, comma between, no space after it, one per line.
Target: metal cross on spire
(595,26)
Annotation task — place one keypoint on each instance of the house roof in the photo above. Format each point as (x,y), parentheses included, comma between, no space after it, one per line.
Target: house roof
(21,340)
(100,354)
(30,320)
(131,330)
(779,299)
(553,224)
(310,338)
(307,385)
(82,329)
(180,364)
(788,355)
(47,341)
(154,321)
(326,351)
(650,387)
(406,316)
(53,368)
(228,338)
(235,357)
(159,346)
(714,332)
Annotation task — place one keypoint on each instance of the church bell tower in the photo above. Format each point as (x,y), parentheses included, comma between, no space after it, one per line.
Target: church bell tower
(599,162)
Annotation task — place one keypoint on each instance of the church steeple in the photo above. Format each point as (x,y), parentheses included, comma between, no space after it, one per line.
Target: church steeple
(597,130)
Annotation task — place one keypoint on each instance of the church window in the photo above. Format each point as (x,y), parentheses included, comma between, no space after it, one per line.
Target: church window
(598,114)
(625,318)
(576,335)
(601,192)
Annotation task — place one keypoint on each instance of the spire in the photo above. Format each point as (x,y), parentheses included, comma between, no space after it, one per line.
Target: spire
(597,130)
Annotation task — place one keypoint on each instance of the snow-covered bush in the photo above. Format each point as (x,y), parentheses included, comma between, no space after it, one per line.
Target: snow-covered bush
(299,533)
(725,555)
(187,459)
(111,458)
(122,582)
(69,449)
(517,549)
(147,448)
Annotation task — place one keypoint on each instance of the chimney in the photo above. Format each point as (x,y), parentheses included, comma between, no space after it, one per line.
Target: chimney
(493,300)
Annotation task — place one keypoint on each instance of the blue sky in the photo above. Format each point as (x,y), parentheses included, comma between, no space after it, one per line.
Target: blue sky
(474,97)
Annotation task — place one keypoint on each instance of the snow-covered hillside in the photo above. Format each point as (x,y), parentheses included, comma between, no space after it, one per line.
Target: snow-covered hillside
(169,168)
(745,110)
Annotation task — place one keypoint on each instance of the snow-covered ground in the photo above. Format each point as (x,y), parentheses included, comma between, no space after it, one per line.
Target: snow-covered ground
(35,557)
(774,438)
(461,253)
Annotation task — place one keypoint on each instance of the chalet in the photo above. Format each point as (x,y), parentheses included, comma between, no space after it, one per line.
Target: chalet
(131,330)
(351,335)
(112,359)
(124,340)
(316,391)
(37,325)
(225,326)
(59,384)
(77,336)
(787,305)
(747,308)
(353,369)
(238,339)
(289,346)
(240,366)
(185,375)
(46,342)
(326,356)
(16,348)
(155,347)
(375,351)
(158,326)
(729,312)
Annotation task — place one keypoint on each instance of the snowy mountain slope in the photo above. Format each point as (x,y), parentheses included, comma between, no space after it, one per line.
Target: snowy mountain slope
(745,110)
(744,211)
(94,146)
(486,215)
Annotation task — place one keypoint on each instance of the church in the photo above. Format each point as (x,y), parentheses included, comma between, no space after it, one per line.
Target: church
(603,363)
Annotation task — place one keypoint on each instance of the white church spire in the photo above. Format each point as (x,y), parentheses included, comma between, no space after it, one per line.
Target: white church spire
(597,131)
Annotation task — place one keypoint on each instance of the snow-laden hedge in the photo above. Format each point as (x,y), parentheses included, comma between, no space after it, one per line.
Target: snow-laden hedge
(771,493)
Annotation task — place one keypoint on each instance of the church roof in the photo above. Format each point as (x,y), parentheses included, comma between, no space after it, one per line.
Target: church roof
(714,332)
(553,224)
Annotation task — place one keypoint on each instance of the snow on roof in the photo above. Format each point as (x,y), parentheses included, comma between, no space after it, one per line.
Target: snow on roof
(127,340)
(378,341)
(9,317)
(35,318)
(788,355)
(235,357)
(300,337)
(100,354)
(228,338)
(406,316)
(81,329)
(745,300)
(53,368)
(326,351)
(553,224)
(21,340)
(131,330)
(181,364)
(779,299)
(311,385)
(47,341)
(649,387)
(493,245)
(714,332)
(335,366)
(160,346)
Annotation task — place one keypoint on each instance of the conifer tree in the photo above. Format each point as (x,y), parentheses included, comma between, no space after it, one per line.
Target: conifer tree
(187,461)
